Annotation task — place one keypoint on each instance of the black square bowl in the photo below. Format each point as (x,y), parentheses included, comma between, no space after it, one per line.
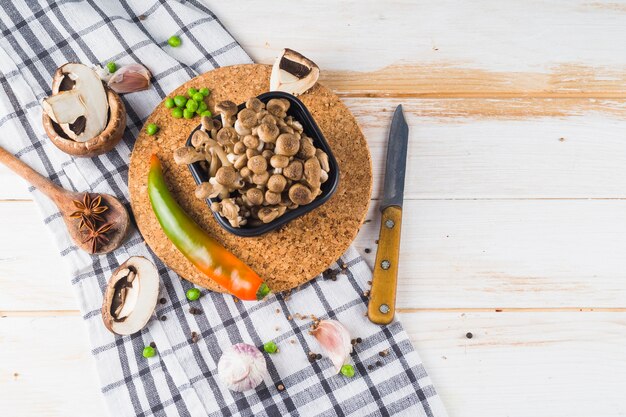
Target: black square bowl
(299,112)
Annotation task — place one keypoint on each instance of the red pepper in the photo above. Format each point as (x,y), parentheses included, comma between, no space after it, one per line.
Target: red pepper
(204,252)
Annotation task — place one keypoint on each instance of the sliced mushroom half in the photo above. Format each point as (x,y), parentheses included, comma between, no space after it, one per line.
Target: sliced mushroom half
(131,296)
(85,98)
(293,73)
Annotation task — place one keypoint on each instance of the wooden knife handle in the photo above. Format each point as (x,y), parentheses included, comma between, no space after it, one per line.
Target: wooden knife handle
(382,305)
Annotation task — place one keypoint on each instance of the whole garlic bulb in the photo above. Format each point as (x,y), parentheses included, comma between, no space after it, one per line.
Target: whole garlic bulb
(242,367)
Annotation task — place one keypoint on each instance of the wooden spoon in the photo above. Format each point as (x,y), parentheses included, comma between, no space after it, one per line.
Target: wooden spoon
(64,200)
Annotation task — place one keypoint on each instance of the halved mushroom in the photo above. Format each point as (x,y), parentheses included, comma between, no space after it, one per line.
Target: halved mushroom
(293,73)
(82,117)
(131,296)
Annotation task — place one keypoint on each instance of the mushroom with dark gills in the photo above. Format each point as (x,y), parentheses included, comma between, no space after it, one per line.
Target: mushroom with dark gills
(131,296)
(82,117)
(293,73)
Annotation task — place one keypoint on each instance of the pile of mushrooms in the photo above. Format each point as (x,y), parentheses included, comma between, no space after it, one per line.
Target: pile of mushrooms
(260,162)
(82,117)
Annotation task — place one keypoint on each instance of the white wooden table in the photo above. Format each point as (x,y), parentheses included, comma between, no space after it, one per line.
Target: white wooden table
(515,211)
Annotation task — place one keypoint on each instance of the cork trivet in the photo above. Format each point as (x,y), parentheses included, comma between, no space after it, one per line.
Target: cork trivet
(300,250)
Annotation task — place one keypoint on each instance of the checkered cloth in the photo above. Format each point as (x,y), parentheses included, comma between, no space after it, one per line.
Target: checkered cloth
(181,379)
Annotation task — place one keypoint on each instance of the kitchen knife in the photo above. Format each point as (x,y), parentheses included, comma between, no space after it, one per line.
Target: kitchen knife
(382,303)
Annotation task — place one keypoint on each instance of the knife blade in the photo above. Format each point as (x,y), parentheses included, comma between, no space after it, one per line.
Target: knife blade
(381,309)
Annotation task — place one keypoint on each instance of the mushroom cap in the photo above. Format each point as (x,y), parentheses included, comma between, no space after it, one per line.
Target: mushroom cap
(251,141)
(294,170)
(255,104)
(312,172)
(261,179)
(208,123)
(279,161)
(323,158)
(131,296)
(307,149)
(188,155)
(300,194)
(276,183)
(226,107)
(255,196)
(272,197)
(227,176)
(268,132)
(270,213)
(287,144)
(239,148)
(257,164)
(278,107)
(227,136)
(247,117)
(241,162)
(104,142)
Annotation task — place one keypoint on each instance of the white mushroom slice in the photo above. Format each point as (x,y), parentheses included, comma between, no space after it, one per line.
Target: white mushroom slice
(64,107)
(131,296)
(92,96)
(293,73)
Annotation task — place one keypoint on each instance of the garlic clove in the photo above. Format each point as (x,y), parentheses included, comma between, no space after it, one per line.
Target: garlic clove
(334,338)
(242,367)
(130,78)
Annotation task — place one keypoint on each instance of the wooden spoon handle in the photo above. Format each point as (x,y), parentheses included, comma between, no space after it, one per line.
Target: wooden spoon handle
(53,191)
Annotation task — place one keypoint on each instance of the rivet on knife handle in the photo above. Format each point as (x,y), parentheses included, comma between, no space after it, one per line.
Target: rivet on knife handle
(382,305)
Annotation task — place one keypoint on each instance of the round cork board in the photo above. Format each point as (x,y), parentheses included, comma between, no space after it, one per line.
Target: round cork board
(284,258)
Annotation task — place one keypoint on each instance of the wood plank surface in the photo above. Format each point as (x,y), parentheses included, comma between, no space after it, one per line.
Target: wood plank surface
(516,364)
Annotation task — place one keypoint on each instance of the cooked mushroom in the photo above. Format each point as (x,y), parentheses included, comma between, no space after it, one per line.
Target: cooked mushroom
(269,213)
(307,149)
(294,170)
(257,164)
(272,198)
(276,183)
(227,110)
(228,177)
(278,107)
(293,73)
(287,144)
(279,161)
(131,296)
(255,104)
(188,155)
(312,172)
(254,196)
(268,132)
(300,194)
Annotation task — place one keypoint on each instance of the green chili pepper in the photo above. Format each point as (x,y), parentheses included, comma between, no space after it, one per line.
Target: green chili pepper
(204,252)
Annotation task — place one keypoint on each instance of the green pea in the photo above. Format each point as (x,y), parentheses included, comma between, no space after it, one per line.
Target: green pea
(206,113)
(151,129)
(174,41)
(112,67)
(191,91)
(205,91)
(198,97)
(270,347)
(180,101)
(192,105)
(149,352)
(193,294)
(188,114)
(347,370)
(201,107)
(177,112)
(169,103)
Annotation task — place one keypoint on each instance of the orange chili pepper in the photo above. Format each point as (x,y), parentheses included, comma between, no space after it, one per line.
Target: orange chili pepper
(204,252)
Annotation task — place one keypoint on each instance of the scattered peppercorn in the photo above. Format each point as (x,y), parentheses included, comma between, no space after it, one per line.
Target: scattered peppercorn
(359,340)
(469,335)
(277,310)
(174,41)
(379,363)
(163,318)
(152,344)
(383,353)
(370,367)
(289,317)
(162,301)
(194,337)
(195,311)
(367,250)
(353,341)
(280,387)
(148,352)
(347,370)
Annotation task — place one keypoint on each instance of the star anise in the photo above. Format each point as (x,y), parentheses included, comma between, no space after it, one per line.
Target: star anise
(88,209)
(96,235)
